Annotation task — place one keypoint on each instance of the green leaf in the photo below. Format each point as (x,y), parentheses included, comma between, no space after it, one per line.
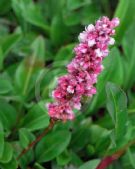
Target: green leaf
(117,107)
(25,137)
(30,12)
(99,137)
(81,136)
(126,160)
(10,165)
(72,5)
(8,115)
(20,77)
(1,140)
(59,37)
(64,158)
(90,13)
(7,154)
(65,53)
(126,12)
(5,85)
(92,164)
(37,118)
(71,18)
(27,159)
(38,166)
(106,5)
(129,50)
(52,145)
(54,7)
(5,6)
(38,48)
(90,149)
(75,159)
(131,158)
(7,43)
(1,58)
(28,70)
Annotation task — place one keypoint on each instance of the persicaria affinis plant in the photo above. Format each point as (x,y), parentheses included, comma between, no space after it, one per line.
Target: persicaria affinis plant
(82,75)
(67,89)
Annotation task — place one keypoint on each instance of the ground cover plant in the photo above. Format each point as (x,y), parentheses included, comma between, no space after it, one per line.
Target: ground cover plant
(38,45)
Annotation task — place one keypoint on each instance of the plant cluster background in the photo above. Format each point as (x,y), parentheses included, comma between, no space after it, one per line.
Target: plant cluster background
(37,38)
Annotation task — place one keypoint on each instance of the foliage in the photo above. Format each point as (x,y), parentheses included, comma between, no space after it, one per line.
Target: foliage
(36,42)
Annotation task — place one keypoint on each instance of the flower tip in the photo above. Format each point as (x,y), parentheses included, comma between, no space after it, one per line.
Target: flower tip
(116,21)
(90,28)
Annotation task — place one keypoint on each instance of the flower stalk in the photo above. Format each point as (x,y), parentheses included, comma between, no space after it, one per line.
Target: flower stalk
(32,144)
(105,162)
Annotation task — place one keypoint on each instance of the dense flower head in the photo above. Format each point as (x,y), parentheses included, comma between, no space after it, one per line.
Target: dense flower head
(83,69)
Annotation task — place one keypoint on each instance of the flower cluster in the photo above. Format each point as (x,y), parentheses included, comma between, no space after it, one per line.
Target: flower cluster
(83,69)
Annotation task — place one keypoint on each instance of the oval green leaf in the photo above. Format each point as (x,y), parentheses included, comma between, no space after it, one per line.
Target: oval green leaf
(52,145)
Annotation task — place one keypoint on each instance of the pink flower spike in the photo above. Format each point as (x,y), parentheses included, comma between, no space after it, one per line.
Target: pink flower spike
(84,69)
